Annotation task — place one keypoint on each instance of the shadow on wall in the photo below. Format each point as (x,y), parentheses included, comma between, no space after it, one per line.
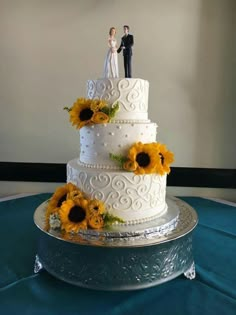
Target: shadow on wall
(213,90)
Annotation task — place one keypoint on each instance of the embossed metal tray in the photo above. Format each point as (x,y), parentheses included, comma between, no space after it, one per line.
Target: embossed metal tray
(122,257)
(173,224)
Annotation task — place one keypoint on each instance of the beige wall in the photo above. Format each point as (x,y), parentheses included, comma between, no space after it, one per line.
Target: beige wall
(185,48)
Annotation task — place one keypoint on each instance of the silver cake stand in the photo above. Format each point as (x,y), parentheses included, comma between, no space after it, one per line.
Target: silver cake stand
(122,257)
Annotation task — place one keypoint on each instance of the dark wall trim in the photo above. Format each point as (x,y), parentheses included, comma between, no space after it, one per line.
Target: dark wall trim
(179,176)
(32,172)
(202,177)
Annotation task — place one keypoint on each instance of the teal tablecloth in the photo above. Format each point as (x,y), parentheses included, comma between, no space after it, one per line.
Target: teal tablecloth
(212,292)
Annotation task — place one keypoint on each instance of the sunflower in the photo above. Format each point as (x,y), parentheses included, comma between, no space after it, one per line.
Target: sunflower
(73,215)
(166,158)
(56,201)
(96,206)
(130,165)
(95,220)
(96,105)
(100,118)
(74,194)
(145,156)
(60,195)
(81,113)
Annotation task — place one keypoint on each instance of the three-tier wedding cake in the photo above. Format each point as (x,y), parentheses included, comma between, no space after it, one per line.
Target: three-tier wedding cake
(111,226)
(134,198)
(120,167)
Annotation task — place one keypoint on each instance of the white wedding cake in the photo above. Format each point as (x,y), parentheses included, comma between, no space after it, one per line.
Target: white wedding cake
(133,196)
(115,198)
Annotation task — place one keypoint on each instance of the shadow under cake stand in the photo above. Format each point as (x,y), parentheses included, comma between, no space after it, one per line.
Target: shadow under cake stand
(122,257)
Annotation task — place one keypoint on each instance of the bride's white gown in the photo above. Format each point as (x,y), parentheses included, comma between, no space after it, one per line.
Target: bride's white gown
(111,62)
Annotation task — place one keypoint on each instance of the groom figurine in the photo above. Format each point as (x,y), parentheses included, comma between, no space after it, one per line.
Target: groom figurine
(127,42)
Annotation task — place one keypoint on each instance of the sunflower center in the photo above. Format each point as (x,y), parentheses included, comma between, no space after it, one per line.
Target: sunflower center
(162,158)
(143,159)
(85,114)
(60,201)
(77,214)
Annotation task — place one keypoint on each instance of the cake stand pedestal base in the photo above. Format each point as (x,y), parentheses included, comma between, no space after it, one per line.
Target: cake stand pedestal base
(133,263)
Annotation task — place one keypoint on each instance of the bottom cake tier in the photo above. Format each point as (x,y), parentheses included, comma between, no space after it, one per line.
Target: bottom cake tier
(133,198)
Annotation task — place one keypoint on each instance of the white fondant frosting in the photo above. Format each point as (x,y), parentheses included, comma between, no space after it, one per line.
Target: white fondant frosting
(98,141)
(132,95)
(134,198)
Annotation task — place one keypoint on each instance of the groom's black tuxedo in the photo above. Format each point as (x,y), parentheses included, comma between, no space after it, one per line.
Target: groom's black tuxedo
(127,41)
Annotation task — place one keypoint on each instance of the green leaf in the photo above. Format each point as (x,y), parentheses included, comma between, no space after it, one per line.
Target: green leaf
(114,109)
(105,110)
(118,158)
(67,108)
(111,111)
(109,219)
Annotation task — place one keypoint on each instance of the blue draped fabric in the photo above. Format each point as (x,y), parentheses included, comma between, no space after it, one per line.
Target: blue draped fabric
(212,292)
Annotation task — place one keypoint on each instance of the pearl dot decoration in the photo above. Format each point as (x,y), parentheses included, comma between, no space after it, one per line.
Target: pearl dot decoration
(116,138)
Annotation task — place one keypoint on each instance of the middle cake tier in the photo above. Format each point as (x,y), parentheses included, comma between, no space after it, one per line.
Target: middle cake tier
(98,141)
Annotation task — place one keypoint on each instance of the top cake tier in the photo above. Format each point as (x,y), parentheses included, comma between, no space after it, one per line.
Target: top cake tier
(132,95)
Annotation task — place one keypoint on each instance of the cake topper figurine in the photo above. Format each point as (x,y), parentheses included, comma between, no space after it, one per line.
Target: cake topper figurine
(111,62)
(127,42)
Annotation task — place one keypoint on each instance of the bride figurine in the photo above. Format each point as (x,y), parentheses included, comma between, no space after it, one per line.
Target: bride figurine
(111,61)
